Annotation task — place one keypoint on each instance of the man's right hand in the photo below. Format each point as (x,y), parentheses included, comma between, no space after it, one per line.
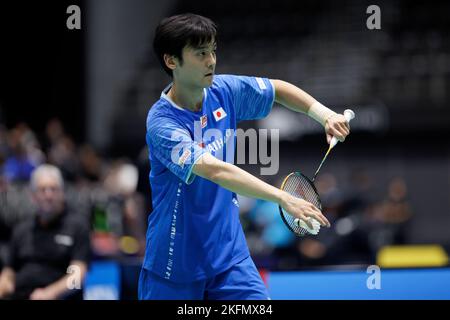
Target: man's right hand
(303,210)
(6,282)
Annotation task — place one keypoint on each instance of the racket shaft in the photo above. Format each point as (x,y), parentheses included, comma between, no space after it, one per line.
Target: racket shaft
(320,166)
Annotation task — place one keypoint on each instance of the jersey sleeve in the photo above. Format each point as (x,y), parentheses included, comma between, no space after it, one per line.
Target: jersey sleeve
(252,97)
(174,147)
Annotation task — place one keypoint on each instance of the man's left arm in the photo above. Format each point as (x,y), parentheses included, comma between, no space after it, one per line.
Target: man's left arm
(60,288)
(79,262)
(298,100)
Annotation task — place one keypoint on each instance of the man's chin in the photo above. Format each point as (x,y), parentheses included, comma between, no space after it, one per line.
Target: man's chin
(209,80)
(49,213)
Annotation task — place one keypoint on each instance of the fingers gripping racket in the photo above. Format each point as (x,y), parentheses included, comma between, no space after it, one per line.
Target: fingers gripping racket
(300,186)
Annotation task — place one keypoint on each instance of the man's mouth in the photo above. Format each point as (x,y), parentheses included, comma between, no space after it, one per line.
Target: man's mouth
(208,74)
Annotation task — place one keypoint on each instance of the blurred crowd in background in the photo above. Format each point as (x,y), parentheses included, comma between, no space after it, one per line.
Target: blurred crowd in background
(362,223)
(115,198)
(106,191)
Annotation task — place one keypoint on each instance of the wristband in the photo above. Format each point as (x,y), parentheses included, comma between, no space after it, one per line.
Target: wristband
(320,113)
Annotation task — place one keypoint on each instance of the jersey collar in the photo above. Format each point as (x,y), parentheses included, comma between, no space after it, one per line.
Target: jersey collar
(173,104)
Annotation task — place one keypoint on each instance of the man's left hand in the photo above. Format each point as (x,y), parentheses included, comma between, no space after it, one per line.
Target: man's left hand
(337,126)
(42,294)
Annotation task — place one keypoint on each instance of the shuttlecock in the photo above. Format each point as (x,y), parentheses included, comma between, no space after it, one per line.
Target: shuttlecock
(316,225)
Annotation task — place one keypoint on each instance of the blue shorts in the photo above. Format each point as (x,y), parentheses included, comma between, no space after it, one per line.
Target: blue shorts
(240,282)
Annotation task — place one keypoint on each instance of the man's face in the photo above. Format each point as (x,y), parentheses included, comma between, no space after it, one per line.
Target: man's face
(197,68)
(48,195)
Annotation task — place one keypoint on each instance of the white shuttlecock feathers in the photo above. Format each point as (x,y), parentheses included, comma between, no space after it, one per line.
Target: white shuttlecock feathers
(316,225)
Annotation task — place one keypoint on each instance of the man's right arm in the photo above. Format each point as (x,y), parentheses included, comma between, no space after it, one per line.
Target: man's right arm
(7,282)
(239,181)
(167,139)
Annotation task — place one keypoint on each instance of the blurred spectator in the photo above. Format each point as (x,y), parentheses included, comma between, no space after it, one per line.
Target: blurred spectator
(54,131)
(91,165)
(45,245)
(24,154)
(122,213)
(361,194)
(61,150)
(62,153)
(395,208)
(390,217)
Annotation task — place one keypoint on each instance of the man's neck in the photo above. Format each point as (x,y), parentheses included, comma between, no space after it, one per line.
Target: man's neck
(46,219)
(187,98)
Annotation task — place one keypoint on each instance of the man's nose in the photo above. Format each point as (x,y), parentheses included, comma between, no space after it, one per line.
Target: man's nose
(211,60)
(48,195)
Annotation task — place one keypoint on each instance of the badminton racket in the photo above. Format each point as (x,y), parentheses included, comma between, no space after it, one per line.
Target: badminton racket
(300,186)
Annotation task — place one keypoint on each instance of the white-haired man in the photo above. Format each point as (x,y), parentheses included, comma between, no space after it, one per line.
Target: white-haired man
(43,247)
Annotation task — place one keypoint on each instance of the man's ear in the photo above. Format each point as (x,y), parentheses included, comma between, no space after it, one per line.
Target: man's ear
(170,61)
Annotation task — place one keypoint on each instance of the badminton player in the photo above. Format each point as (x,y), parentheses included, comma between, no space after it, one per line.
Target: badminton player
(196,248)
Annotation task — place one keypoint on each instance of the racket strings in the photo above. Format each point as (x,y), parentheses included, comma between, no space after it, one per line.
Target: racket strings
(301,187)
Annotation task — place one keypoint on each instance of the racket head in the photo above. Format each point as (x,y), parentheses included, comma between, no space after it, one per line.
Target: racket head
(300,186)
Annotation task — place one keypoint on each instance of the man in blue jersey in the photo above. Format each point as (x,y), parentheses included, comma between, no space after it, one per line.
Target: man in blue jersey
(196,248)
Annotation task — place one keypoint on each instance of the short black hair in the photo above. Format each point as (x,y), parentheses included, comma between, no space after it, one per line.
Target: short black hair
(175,32)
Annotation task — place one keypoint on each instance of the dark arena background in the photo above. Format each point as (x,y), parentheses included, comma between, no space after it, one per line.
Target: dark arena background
(78,99)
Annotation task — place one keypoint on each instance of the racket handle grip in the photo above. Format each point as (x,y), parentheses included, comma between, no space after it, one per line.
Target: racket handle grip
(348,115)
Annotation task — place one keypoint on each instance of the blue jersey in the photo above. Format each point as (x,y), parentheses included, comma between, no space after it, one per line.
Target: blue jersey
(194,230)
